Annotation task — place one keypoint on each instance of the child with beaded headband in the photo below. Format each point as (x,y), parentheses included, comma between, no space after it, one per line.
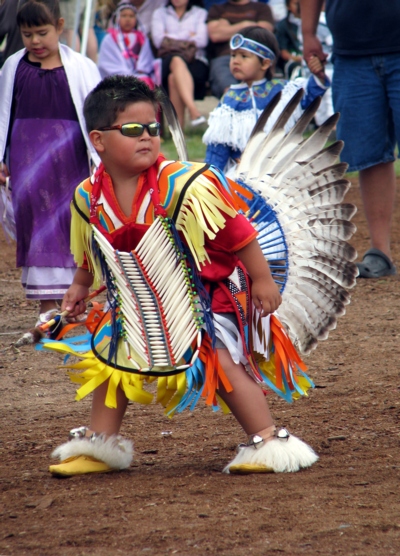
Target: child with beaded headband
(134,190)
(253,56)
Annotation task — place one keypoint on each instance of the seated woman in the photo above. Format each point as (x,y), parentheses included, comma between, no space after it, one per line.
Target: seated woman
(126,50)
(184,73)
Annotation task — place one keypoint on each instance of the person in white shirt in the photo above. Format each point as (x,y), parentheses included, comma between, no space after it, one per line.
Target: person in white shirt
(183,79)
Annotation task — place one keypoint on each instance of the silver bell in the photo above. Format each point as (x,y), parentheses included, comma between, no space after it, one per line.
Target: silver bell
(283,434)
(79,432)
(256,441)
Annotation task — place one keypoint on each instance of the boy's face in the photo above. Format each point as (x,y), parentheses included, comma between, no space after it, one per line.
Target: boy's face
(246,66)
(128,155)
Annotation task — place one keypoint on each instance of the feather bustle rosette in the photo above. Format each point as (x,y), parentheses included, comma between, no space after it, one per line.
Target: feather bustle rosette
(304,225)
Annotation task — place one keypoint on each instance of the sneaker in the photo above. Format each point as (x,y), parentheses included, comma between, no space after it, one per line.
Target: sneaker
(198,121)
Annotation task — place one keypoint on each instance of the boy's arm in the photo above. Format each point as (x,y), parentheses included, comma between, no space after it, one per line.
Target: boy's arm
(264,291)
(73,300)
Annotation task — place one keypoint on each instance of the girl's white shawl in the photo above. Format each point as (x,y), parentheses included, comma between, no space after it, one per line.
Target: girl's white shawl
(82,75)
(112,61)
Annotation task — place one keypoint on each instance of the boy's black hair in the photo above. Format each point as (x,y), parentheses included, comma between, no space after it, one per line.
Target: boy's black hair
(35,13)
(111,97)
(265,37)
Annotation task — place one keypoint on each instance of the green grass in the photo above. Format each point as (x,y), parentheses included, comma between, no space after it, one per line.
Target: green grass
(197,150)
(195,146)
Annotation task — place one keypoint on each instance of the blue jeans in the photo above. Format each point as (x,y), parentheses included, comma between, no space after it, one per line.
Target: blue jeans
(366,92)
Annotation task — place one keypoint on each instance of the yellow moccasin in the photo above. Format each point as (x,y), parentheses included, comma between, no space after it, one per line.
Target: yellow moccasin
(79,465)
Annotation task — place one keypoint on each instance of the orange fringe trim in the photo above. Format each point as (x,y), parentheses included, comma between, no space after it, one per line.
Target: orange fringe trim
(285,354)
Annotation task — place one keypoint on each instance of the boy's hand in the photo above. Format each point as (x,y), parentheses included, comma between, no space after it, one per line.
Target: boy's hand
(266,296)
(264,291)
(73,300)
(316,67)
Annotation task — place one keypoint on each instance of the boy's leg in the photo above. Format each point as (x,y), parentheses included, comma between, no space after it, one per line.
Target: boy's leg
(266,450)
(106,420)
(98,448)
(246,401)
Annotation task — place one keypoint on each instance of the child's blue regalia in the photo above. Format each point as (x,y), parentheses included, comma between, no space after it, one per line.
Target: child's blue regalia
(231,123)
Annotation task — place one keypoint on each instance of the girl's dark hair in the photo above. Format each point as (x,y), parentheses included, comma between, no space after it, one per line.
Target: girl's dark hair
(268,39)
(111,97)
(34,13)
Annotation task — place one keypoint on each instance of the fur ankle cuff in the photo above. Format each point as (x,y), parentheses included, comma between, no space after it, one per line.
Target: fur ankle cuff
(279,456)
(115,451)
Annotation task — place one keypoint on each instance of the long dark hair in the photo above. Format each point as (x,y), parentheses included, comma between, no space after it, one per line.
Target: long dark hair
(34,13)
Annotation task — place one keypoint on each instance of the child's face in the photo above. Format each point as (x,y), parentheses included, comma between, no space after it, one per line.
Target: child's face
(41,42)
(127,20)
(129,156)
(246,66)
(294,7)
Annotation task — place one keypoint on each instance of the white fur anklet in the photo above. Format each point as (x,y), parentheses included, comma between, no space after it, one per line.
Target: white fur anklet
(284,454)
(115,451)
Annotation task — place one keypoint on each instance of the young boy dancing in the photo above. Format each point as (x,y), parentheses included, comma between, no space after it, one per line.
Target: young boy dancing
(133,187)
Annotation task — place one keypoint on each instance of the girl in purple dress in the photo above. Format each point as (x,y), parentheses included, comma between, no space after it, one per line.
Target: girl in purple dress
(44,147)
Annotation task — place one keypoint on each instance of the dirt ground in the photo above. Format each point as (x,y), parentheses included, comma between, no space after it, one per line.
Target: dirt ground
(174,498)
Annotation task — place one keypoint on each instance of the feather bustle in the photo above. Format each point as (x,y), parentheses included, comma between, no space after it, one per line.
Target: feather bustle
(301,180)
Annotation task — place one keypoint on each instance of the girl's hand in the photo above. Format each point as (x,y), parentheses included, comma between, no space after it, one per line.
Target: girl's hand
(312,47)
(266,296)
(316,67)
(4,173)
(73,300)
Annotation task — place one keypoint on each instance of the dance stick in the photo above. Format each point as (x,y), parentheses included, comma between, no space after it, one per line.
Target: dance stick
(34,336)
